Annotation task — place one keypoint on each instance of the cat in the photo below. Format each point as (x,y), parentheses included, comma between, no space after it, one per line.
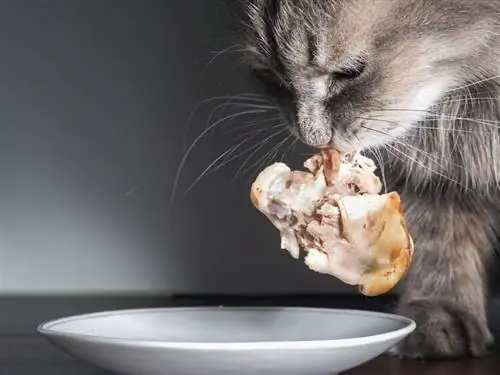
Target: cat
(415,82)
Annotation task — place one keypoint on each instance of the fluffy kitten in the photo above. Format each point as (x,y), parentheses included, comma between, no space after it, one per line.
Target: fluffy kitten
(414,81)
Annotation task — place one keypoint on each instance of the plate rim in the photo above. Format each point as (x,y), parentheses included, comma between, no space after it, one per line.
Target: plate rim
(409,326)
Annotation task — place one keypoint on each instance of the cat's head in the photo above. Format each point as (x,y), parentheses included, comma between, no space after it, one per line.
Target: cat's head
(360,73)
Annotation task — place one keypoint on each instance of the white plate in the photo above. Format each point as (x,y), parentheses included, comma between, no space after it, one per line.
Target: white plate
(232,341)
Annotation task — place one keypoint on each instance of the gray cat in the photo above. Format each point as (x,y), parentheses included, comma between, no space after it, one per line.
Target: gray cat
(417,82)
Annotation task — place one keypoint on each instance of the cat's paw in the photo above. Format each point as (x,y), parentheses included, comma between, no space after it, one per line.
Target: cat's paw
(444,330)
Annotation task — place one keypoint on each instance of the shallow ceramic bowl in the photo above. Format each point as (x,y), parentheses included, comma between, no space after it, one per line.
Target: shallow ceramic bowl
(218,341)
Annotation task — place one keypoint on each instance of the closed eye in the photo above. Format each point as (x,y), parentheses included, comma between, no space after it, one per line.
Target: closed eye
(350,73)
(267,75)
(270,80)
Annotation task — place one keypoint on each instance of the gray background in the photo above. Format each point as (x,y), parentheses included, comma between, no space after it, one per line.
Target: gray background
(94,99)
(95,96)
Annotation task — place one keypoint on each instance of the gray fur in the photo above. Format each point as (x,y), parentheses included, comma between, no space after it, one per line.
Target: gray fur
(413,82)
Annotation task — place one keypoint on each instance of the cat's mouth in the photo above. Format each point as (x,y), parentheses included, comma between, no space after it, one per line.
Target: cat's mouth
(323,146)
(340,144)
(346,145)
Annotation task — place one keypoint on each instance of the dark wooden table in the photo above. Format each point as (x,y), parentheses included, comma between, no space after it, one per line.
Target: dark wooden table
(24,352)
(392,366)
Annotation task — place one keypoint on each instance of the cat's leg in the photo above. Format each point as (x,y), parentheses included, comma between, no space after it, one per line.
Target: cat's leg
(444,291)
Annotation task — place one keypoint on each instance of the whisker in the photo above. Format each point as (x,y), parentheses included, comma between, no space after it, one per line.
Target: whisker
(254,124)
(258,131)
(494,124)
(231,103)
(267,156)
(380,161)
(425,167)
(431,118)
(471,99)
(277,150)
(207,169)
(242,106)
(232,158)
(430,156)
(473,83)
(256,151)
(453,130)
(293,143)
(378,120)
(377,131)
(194,143)
(395,156)
(245,96)
(213,167)
(217,54)
(381,109)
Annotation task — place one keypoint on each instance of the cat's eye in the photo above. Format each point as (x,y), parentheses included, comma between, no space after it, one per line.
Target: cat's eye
(269,79)
(268,76)
(350,73)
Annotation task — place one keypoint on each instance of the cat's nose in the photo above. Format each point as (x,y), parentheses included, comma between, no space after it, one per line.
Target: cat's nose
(318,137)
(314,127)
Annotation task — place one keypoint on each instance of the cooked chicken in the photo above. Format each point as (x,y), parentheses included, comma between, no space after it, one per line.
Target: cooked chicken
(335,213)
